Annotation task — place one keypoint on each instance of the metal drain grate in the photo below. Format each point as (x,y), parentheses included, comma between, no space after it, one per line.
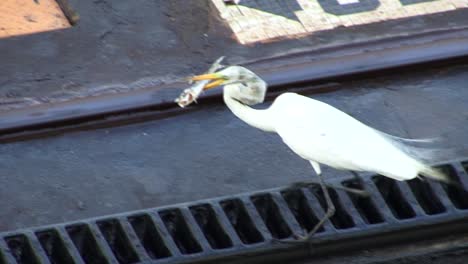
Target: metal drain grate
(245,224)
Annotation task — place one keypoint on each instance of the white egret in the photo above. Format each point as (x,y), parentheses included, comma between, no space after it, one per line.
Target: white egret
(318,132)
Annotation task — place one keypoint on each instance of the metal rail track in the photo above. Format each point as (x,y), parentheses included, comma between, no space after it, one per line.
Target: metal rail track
(312,67)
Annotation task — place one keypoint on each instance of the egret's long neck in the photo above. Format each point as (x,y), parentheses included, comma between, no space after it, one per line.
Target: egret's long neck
(260,119)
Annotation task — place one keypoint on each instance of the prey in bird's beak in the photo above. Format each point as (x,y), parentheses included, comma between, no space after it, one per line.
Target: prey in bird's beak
(217,78)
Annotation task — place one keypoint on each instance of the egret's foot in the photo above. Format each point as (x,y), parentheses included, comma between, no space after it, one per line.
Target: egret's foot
(298,239)
(307,184)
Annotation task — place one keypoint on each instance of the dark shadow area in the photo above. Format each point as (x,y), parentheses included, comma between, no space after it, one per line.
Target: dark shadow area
(241,221)
(364,205)
(180,231)
(21,249)
(118,241)
(207,220)
(426,197)
(334,7)
(284,8)
(271,216)
(86,244)
(149,236)
(299,206)
(54,247)
(456,193)
(394,197)
(341,219)
(410,2)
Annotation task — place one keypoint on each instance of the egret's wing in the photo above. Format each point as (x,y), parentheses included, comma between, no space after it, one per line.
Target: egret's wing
(320,132)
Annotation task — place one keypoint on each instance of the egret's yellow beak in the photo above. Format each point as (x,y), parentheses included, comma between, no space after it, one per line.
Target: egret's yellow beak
(217,80)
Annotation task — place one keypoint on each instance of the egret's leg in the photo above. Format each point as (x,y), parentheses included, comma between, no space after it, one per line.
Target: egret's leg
(363,193)
(329,213)
(330,208)
(305,184)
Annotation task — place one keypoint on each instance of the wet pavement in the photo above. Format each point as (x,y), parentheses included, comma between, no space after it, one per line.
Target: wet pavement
(208,152)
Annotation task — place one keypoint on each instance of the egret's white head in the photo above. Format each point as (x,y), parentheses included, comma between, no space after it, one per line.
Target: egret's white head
(240,84)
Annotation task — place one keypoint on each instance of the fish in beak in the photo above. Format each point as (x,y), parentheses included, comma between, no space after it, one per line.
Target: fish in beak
(217,80)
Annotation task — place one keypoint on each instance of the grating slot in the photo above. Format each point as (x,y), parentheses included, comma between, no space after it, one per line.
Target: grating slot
(209,224)
(304,215)
(86,244)
(54,247)
(465,166)
(341,219)
(149,236)
(21,249)
(180,232)
(241,221)
(423,192)
(271,215)
(3,258)
(393,197)
(364,205)
(118,241)
(456,193)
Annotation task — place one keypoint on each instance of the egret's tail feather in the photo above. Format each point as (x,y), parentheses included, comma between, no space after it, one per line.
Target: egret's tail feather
(427,150)
(429,154)
(411,140)
(438,174)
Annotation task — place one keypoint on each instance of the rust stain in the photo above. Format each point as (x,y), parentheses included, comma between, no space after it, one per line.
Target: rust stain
(21,17)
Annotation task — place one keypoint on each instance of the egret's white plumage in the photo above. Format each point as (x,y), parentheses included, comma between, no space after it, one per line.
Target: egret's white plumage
(318,132)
